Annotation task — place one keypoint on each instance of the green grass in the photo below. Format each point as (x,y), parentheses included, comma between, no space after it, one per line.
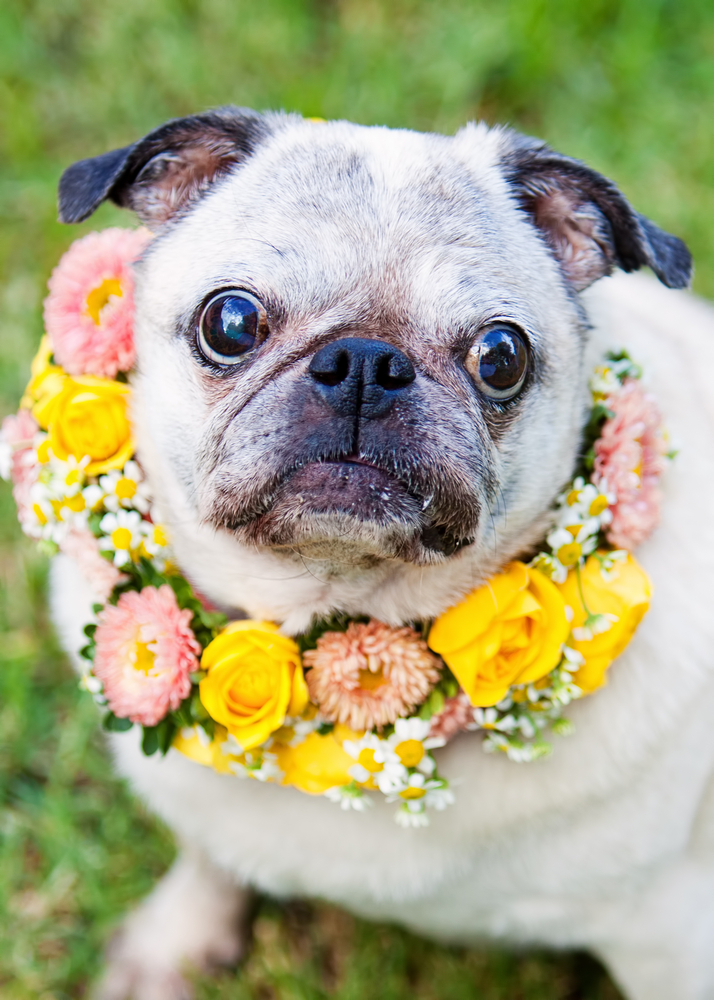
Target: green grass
(625,84)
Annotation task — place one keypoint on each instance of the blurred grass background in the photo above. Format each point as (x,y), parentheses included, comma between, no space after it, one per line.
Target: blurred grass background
(626,85)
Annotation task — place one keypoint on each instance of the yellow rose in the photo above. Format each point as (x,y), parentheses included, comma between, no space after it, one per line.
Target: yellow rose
(509,631)
(47,379)
(625,594)
(254,680)
(202,752)
(85,416)
(318,763)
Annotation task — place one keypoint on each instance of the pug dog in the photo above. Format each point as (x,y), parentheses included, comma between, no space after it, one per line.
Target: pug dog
(353,455)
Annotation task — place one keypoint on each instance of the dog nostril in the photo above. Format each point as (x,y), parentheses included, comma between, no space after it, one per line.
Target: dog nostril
(394,371)
(330,367)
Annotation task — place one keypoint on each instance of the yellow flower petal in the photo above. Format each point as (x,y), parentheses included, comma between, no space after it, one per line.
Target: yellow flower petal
(510,631)
(319,762)
(254,680)
(625,594)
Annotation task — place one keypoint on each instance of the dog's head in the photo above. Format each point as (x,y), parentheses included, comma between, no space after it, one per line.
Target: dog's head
(361,345)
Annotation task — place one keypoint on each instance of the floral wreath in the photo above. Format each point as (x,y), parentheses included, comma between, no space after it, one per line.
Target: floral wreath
(353,706)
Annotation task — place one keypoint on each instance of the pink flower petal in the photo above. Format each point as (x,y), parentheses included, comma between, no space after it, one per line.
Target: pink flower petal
(89,313)
(145,653)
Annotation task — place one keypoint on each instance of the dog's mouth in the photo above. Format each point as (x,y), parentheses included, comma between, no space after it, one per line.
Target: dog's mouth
(350,485)
(345,499)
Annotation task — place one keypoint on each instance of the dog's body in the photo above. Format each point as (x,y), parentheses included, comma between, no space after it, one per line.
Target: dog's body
(413,241)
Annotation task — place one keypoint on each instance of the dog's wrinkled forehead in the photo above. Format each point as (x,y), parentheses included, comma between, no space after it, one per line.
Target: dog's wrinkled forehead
(366,227)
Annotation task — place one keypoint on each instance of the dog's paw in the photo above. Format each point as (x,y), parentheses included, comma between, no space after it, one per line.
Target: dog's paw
(125,980)
(195,920)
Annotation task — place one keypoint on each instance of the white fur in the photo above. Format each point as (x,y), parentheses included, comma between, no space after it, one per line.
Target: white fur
(608,844)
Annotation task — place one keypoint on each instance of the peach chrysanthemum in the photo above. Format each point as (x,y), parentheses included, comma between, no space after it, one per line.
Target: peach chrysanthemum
(629,459)
(145,653)
(89,313)
(102,575)
(370,675)
(456,716)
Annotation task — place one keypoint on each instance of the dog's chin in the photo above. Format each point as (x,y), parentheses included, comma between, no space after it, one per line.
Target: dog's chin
(346,513)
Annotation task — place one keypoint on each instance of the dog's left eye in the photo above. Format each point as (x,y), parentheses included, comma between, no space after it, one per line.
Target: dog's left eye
(498,362)
(229,327)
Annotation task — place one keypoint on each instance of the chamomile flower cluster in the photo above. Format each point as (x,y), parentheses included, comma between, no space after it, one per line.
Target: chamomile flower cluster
(63,499)
(517,725)
(400,766)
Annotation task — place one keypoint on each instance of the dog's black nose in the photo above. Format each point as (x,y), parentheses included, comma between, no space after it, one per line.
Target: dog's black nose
(359,376)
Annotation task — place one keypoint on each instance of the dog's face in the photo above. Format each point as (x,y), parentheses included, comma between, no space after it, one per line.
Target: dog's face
(364,345)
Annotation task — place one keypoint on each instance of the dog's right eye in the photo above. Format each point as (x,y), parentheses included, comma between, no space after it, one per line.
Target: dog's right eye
(229,327)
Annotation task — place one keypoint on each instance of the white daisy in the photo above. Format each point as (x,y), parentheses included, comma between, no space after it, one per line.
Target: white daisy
(364,752)
(409,745)
(123,534)
(126,488)
(65,478)
(349,797)
(155,538)
(421,792)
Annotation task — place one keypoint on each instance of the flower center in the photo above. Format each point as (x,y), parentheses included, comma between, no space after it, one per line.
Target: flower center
(121,538)
(75,503)
(410,752)
(598,505)
(99,297)
(160,537)
(144,658)
(366,759)
(125,488)
(413,793)
(369,681)
(569,554)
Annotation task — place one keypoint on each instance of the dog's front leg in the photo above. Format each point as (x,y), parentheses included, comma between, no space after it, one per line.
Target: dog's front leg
(197,918)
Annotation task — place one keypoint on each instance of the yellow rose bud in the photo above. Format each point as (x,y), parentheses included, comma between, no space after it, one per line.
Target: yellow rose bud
(86,416)
(254,681)
(509,631)
(625,594)
(319,762)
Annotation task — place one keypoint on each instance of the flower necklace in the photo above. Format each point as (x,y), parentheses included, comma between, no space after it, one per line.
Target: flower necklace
(353,706)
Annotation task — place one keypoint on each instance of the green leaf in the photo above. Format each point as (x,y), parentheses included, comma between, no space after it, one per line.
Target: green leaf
(198,711)
(113,724)
(87,652)
(165,732)
(150,740)
(89,630)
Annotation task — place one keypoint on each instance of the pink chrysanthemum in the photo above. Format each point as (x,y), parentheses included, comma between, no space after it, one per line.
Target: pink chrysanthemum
(629,459)
(89,313)
(370,675)
(102,575)
(18,431)
(145,653)
(456,716)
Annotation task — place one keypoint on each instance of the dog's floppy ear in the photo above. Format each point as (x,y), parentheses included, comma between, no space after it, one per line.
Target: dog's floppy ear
(166,169)
(587,222)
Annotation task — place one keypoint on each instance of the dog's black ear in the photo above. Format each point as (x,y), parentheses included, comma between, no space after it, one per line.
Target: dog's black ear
(587,222)
(166,169)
